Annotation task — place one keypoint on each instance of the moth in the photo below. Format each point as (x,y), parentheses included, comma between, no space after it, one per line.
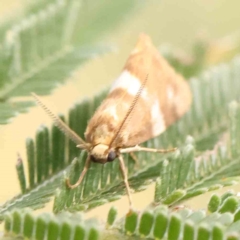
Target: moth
(144,100)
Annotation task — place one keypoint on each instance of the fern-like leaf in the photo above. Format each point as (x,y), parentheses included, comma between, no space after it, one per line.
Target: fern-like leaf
(48,44)
(152,223)
(220,84)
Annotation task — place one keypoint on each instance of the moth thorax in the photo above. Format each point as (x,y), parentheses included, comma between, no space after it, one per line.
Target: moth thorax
(102,154)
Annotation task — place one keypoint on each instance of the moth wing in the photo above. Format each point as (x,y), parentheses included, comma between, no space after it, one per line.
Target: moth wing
(165,98)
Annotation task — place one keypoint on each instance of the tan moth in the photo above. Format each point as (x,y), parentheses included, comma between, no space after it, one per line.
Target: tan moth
(144,100)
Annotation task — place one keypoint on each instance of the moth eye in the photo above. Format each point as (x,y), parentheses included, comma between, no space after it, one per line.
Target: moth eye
(111,156)
(93,158)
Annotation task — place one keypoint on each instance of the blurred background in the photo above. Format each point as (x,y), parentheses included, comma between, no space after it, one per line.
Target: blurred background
(168,22)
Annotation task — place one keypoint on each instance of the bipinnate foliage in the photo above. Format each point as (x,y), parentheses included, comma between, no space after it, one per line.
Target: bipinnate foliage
(221,221)
(207,137)
(41,50)
(191,170)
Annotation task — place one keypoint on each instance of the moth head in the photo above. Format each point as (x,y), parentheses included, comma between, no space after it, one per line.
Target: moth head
(102,154)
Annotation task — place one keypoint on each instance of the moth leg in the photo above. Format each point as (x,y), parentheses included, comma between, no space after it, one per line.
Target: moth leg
(85,169)
(144,149)
(134,158)
(125,178)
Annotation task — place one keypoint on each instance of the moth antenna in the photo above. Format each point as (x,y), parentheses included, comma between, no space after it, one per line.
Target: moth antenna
(130,110)
(60,124)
